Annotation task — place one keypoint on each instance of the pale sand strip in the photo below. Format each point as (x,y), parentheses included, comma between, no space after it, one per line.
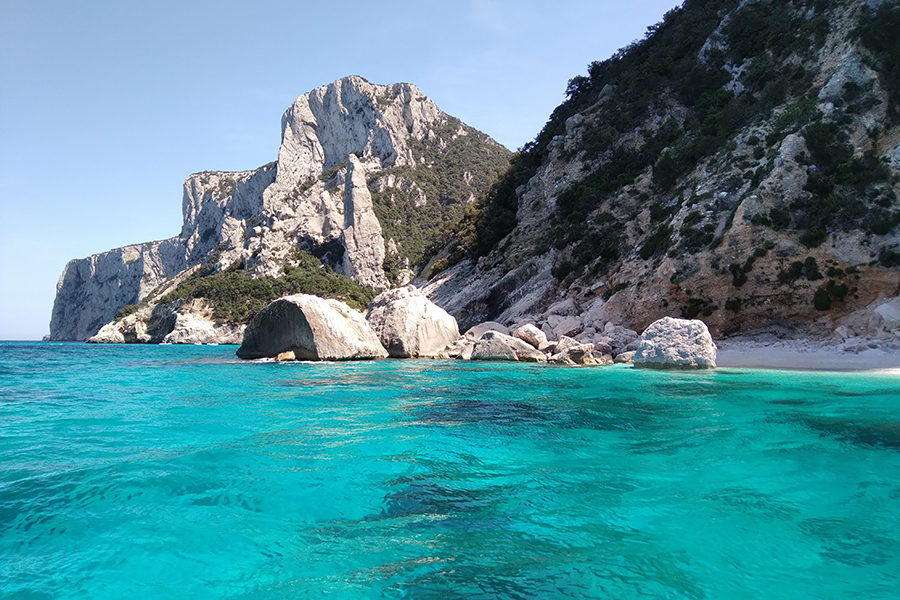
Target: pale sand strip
(798,355)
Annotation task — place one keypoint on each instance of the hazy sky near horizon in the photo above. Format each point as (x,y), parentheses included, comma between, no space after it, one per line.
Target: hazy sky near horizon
(107,106)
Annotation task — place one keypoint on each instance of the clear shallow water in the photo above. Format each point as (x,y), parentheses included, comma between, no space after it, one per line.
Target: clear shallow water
(181,472)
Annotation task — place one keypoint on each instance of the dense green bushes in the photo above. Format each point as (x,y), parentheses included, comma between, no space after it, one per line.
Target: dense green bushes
(235,297)
(668,64)
(877,30)
(845,190)
(625,98)
(126,310)
(454,150)
(494,216)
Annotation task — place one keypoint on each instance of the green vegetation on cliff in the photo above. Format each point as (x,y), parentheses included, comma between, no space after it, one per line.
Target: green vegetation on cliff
(455,165)
(689,93)
(676,65)
(877,30)
(235,296)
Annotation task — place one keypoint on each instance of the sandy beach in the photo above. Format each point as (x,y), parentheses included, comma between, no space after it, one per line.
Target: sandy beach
(858,354)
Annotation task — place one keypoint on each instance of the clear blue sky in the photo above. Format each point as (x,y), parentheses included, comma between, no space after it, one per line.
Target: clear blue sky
(107,106)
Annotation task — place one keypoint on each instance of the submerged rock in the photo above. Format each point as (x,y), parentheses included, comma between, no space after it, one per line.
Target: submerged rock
(409,324)
(313,329)
(678,343)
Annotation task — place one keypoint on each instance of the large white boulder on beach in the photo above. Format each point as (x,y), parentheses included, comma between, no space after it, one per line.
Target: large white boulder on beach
(678,343)
(409,324)
(494,345)
(313,329)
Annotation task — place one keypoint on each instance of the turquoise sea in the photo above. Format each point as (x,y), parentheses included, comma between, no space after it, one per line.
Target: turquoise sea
(182,472)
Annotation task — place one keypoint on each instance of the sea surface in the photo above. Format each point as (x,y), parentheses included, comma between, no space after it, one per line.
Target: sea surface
(150,472)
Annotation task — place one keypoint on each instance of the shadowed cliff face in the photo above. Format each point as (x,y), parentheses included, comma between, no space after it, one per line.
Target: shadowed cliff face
(338,141)
(739,165)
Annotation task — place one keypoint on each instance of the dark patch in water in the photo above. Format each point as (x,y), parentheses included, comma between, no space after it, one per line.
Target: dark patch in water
(849,543)
(882,434)
(752,502)
(501,414)
(421,498)
(891,392)
(791,402)
(514,417)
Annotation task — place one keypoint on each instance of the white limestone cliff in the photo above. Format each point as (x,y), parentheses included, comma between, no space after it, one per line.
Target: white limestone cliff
(91,290)
(362,237)
(315,197)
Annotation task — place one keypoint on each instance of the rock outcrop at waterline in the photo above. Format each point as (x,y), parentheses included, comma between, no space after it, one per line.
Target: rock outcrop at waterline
(676,343)
(350,151)
(92,290)
(177,323)
(410,325)
(310,328)
(494,345)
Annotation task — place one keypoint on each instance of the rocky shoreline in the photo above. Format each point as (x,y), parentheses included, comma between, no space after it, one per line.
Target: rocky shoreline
(403,323)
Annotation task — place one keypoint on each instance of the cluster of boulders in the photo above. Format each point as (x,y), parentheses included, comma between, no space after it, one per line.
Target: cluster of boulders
(526,343)
(403,323)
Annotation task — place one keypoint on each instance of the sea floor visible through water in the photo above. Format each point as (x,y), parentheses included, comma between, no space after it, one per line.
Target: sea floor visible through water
(182,472)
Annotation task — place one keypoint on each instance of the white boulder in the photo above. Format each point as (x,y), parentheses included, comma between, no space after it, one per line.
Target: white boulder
(494,345)
(475,332)
(409,324)
(568,326)
(565,308)
(625,358)
(678,343)
(596,315)
(530,334)
(313,329)
(886,316)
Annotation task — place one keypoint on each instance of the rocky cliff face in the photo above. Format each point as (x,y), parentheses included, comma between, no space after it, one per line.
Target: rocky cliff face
(738,165)
(92,290)
(355,158)
(361,239)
